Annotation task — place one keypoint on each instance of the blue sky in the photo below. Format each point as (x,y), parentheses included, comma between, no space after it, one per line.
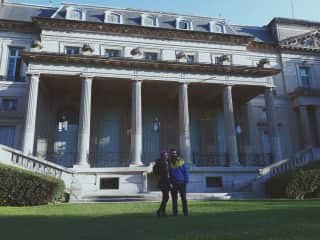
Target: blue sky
(244,12)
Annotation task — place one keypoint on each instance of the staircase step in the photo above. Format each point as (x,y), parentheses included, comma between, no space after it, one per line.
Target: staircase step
(156,197)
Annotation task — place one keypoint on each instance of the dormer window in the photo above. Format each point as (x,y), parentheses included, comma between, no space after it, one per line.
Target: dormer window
(183,24)
(111,17)
(149,20)
(75,14)
(217,27)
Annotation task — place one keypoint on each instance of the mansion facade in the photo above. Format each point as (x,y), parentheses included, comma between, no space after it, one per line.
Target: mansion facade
(103,90)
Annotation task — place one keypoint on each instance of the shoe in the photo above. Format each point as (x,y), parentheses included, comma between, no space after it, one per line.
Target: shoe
(158,213)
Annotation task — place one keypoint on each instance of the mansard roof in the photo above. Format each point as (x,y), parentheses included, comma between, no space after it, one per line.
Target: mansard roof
(24,13)
(131,17)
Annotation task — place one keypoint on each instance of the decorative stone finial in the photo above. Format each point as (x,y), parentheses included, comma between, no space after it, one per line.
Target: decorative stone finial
(136,52)
(36,46)
(87,49)
(264,63)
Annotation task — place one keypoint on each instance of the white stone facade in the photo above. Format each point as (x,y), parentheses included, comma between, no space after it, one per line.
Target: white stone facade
(104,98)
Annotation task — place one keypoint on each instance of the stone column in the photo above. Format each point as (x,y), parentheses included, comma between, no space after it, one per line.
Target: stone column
(305,126)
(31,115)
(273,126)
(136,124)
(231,137)
(84,124)
(184,124)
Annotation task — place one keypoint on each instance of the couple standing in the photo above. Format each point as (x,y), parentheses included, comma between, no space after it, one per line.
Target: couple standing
(173,177)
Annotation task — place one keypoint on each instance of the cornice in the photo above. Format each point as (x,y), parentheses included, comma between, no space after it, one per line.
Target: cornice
(232,70)
(18,26)
(151,32)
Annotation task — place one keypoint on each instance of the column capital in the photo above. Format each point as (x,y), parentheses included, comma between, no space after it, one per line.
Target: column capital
(85,76)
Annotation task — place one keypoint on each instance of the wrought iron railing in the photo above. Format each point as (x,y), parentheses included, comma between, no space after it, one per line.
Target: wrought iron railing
(210,159)
(13,78)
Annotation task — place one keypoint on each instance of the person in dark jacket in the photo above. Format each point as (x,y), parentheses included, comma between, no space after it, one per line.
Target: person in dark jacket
(161,169)
(179,178)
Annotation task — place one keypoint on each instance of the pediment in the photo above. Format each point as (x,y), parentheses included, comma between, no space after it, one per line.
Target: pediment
(309,41)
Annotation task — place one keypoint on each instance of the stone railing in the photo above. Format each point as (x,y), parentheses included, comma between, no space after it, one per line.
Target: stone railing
(13,157)
(300,159)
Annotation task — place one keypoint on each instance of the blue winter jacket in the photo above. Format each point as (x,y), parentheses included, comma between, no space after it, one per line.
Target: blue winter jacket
(178,172)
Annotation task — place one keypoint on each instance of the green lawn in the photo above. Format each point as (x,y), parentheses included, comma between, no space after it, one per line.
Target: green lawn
(222,220)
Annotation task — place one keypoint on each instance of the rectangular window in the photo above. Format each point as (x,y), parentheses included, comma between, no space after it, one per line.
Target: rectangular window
(214,182)
(150,56)
(305,77)
(8,105)
(190,59)
(7,136)
(14,64)
(113,53)
(109,183)
(113,18)
(72,50)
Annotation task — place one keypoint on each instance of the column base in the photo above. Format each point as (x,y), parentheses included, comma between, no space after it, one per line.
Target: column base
(133,165)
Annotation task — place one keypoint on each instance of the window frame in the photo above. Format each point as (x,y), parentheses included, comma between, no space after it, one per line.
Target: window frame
(70,46)
(71,9)
(309,70)
(14,77)
(151,52)
(3,99)
(213,25)
(113,49)
(188,22)
(144,17)
(109,13)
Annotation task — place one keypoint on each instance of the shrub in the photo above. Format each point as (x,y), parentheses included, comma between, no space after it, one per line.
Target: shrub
(23,188)
(297,183)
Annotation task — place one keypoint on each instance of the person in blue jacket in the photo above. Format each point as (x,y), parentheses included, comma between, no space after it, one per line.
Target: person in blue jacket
(179,178)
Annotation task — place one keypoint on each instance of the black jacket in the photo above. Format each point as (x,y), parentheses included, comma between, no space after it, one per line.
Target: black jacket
(161,169)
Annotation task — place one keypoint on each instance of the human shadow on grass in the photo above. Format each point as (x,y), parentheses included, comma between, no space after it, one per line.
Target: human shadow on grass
(288,224)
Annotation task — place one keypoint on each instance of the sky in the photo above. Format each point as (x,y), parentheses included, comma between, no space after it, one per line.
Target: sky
(242,12)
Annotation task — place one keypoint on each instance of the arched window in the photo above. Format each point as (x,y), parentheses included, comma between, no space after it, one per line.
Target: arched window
(217,27)
(75,14)
(111,17)
(183,24)
(149,20)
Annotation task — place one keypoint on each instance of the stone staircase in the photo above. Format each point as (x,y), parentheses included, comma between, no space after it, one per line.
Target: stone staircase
(13,157)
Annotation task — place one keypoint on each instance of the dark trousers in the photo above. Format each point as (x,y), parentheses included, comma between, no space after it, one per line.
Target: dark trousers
(163,204)
(182,190)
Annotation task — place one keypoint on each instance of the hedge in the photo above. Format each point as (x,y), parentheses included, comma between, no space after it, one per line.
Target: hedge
(23,188)
(297,183)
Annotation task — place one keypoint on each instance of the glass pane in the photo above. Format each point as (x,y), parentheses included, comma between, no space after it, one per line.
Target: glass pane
(183,25)
(305,77)
(9,105)
(7,136)
(151,56)
(190,59)
(112,53)
(75,14)
(114,18)
(150,21)
(72,50)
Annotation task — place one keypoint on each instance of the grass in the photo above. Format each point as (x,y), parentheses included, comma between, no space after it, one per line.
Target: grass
(223,220)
